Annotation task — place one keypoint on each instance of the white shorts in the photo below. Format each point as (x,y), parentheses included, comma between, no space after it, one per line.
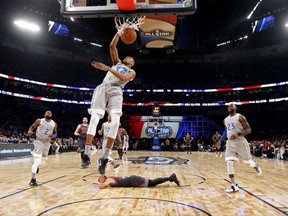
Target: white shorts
(106,97)
(239,146)
(41,148)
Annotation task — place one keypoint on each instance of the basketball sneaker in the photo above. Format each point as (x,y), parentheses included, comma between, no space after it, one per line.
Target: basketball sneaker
(102,164)
(258,170)
(33,183)
(232,189)
(173,178)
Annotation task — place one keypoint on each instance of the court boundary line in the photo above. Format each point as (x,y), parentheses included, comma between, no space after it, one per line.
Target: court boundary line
(17,192)
(126,198)
(257,197)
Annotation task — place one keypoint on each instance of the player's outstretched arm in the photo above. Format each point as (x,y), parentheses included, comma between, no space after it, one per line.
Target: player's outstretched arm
(107,183)
(34,126)
(113,49)
(123,77)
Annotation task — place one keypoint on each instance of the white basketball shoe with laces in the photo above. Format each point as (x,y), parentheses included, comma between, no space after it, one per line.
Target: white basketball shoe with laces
(232,189)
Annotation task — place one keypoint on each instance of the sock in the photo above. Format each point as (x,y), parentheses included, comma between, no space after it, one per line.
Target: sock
(106,153)
(88,150)
(233,181)
(33,175)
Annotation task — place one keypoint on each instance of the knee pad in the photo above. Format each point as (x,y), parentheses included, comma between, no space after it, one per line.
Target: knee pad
(37,162)
(114,125)
(250,162)
(230,167)
(93,124)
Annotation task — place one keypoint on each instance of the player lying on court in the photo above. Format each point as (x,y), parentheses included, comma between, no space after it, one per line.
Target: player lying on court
(134,181)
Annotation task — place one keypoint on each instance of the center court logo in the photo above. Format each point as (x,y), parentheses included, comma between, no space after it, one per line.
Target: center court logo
(158,160)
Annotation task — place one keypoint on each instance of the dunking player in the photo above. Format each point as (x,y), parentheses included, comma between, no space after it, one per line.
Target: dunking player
(108,96)
(106,127)
(134,181)
(46,130)
(81,132)
(237,127)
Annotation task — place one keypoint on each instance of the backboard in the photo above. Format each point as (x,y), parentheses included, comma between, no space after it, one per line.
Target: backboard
(109,8)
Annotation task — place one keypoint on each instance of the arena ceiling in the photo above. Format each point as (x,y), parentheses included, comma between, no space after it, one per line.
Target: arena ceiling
(215,21)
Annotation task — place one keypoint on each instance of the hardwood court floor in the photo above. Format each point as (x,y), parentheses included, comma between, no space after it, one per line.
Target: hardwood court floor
(66,189)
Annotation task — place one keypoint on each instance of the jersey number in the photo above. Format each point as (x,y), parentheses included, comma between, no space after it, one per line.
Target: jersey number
(230,126)
(46,131)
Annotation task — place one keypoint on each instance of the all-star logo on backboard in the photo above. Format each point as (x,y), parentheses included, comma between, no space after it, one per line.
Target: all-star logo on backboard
(158,160)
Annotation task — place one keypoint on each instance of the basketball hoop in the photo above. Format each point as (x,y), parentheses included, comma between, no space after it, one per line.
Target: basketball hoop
(135,22)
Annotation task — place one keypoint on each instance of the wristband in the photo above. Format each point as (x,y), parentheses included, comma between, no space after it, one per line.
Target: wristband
(55,134)
(224,136)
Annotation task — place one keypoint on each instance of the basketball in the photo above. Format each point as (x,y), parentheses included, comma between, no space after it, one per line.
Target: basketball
(129,36)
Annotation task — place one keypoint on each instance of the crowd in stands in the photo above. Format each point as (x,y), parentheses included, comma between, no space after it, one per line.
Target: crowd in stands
(21,63)
(275,148)
(17,117)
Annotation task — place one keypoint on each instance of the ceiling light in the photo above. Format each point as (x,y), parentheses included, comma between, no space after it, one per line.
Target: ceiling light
(27,25)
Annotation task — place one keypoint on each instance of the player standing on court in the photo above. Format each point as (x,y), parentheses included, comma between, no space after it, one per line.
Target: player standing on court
(108,96)
(46,130)
(188,142)
(81,132)
(237,127)
(120,141)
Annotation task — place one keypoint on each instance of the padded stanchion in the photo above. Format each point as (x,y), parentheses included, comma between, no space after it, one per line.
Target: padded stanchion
(126,5)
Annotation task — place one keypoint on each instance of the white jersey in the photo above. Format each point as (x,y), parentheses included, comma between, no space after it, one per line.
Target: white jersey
(114,81)
(233,125)
(44,129)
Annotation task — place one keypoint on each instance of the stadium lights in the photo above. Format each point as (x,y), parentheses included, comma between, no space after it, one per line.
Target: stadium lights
(77,39)
(91,43)
(22,24)
(228,42)
(72,19)
(286,25)
(251,13)
(95,44)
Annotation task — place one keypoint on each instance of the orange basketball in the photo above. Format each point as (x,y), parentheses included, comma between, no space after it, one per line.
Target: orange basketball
(129,36)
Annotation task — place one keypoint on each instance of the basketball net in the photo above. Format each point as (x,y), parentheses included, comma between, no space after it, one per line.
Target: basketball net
(122,23)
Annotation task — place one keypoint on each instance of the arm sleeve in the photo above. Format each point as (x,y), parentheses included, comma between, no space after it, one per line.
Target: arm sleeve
(224,136)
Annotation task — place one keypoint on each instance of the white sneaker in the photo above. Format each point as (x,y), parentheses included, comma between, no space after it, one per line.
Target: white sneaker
(232,189)
(258,170)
